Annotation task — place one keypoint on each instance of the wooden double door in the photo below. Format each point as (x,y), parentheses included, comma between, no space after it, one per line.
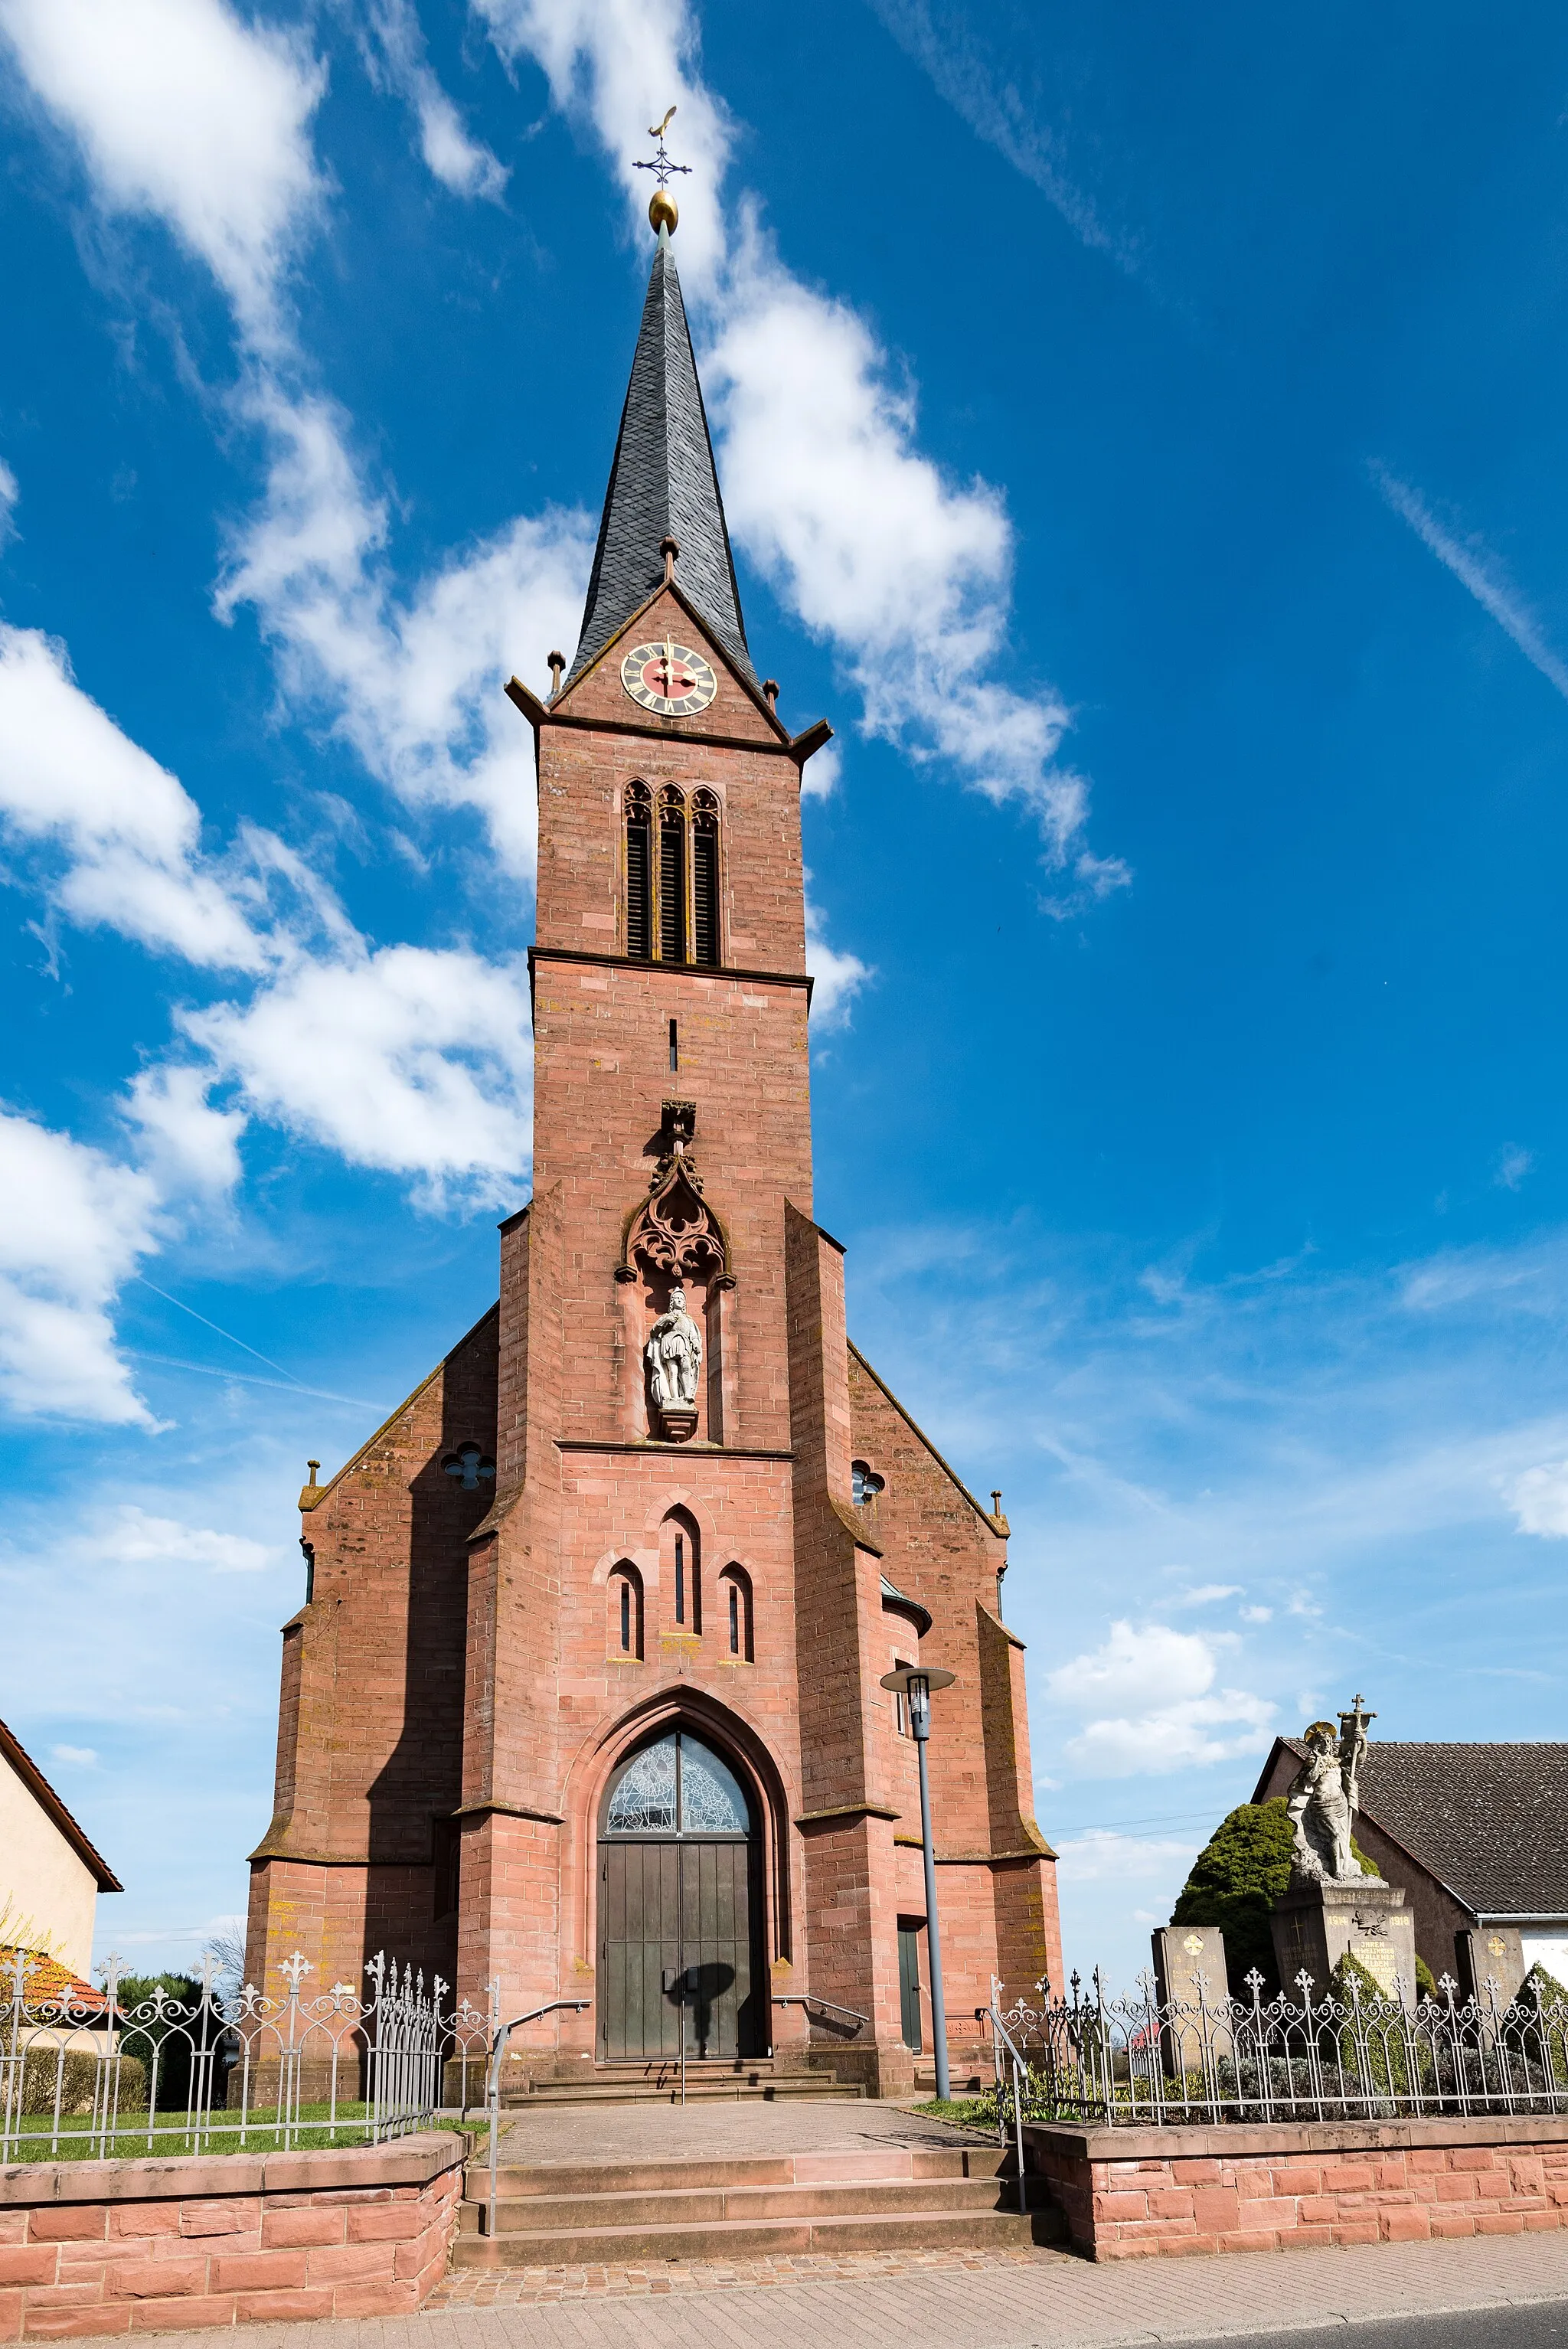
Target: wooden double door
(676,1914)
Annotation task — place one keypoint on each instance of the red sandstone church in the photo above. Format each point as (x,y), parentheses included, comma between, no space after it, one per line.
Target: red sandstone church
(584,1699)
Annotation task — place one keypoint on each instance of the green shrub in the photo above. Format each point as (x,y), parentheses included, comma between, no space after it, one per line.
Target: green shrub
(1235,1880)
(1425,1986)
(77,2078)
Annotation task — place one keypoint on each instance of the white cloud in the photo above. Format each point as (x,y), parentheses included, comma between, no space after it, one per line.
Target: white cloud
(619,63)
(1539,1499)
(820,776)
(415,683)
(10,495)
(1479,571)
(995,110)
(399,61)
(839,976)
(1513,1165)
(73,1226)
(1207,1594)
(1257,1614)
(1100,1856)
(1148,1702)
(129,1537)
(191,1145)
(184,111)
(130,833)
(906,572)
(403,1058)
(84,1757)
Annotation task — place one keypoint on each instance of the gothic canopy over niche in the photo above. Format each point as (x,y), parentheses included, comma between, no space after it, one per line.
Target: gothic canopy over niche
(675,1234)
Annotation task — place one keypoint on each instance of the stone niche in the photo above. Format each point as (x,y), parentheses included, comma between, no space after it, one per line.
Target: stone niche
(1316,1924)
(678,1314)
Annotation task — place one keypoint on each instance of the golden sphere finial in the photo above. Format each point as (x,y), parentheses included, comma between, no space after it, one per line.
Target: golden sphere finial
(662,211)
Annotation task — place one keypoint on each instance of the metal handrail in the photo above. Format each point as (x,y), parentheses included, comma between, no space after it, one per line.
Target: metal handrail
(810,1998)
(493,2079)
(1001,2037)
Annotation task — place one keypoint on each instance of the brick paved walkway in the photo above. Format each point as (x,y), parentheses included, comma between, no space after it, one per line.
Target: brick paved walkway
(1007,2301)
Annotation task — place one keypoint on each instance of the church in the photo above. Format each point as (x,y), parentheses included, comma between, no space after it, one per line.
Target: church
(584,1699)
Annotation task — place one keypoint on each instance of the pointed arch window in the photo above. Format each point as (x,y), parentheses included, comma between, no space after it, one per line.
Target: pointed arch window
(627,1612)
(737,1591)
(672,875)
(705,879)
(639,873)
(681,1555)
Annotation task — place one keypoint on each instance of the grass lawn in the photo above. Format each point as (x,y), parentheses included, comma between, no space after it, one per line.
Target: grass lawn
(175,2134)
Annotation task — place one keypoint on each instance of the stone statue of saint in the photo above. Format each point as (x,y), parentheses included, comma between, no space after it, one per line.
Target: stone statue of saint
(673,1353)
(1323,1799)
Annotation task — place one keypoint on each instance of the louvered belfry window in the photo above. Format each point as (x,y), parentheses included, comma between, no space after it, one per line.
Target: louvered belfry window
(672,878)
(705,879)
(639,874)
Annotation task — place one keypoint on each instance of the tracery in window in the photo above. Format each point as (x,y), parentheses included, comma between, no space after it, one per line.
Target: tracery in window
(676,1787)
(704,946)
(864,1483)
(639,873)
(672,875)
(470,1467)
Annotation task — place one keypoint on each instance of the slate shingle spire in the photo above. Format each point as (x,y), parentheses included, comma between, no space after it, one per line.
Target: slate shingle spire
(662,484)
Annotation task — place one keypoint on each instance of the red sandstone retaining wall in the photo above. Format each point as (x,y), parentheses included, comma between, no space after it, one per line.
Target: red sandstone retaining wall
(1158,2193)
(149,2246)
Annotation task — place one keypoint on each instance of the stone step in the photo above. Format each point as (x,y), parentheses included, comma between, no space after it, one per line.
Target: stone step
(808,2088)
(845,2167)
(691,2206)
(725,2238)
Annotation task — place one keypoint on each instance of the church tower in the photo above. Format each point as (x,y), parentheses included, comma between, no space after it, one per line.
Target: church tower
(584,1699)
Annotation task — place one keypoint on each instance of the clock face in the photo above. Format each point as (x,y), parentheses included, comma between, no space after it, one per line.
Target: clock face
(668,678)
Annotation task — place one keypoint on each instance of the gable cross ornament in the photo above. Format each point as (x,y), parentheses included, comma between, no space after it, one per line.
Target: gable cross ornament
(662,211)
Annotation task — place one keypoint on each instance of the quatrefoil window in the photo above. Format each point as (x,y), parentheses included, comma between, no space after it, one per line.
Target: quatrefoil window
(470,1467)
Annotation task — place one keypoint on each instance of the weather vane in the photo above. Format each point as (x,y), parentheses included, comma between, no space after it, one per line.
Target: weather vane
(662,211)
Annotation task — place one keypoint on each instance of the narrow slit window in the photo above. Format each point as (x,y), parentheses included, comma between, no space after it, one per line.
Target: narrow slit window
(704,880)
(680,1578)
(671,879)
(639,875)
(675,1049)
(626,1616)
(733,1621)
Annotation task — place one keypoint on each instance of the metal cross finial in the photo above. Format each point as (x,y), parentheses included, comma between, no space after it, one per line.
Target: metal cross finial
(662,213)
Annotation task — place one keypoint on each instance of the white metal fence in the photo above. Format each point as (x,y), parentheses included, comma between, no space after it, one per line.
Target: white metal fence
(88,2076)
(1139,2062)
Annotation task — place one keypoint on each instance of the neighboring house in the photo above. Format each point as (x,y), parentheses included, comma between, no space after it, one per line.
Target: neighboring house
(1477,1836)
(50,1875)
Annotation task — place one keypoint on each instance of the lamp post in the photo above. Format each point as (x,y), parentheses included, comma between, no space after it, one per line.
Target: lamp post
(914,1684)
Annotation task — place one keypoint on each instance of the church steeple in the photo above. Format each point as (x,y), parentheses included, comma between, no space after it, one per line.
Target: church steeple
(662,484)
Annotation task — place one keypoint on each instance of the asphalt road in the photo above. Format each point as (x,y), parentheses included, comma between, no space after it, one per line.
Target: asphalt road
(1543,2325)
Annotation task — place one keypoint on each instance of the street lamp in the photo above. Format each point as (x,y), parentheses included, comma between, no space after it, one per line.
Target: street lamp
(914,1684)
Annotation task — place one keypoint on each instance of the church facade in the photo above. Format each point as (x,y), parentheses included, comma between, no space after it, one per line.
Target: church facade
(584,1699)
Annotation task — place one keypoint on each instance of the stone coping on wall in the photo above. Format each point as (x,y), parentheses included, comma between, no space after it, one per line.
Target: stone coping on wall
(95,2248)
(1169,2193)
(1243,2141)
(402,2161)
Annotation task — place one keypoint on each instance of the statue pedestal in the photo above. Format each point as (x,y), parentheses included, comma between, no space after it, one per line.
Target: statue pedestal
(677,1422)
(1315,1925)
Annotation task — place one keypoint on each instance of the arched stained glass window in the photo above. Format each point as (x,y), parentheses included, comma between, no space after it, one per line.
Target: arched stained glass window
(676,1787)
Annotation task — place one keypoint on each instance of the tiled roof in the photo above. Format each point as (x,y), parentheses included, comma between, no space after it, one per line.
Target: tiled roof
(1490,1821)
(662,484)
(46,1982)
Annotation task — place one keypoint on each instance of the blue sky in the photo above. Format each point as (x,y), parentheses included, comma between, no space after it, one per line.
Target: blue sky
(1142,436)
